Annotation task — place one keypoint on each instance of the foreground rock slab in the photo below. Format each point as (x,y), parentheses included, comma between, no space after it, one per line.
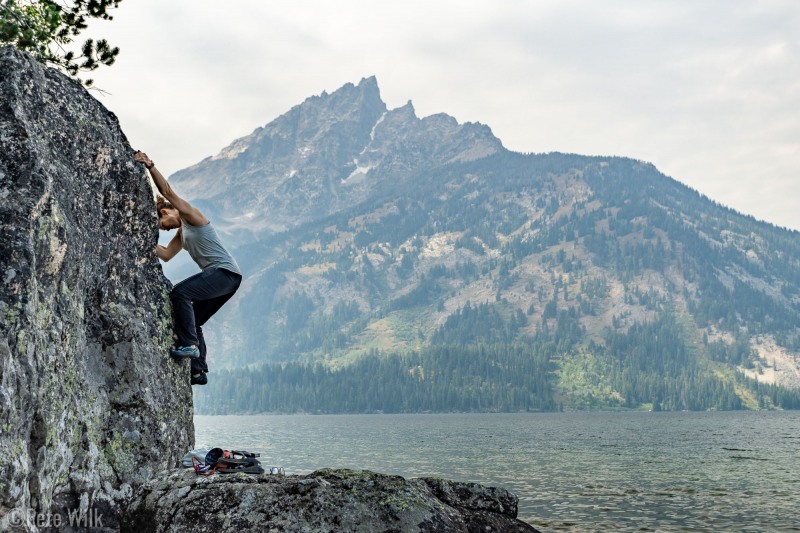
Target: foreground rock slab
(323,501)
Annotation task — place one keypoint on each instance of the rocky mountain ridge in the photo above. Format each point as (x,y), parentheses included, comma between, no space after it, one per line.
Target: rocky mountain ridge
(319,158)
(376,232)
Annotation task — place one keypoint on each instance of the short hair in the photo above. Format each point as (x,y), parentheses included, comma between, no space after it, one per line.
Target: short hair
(162,203)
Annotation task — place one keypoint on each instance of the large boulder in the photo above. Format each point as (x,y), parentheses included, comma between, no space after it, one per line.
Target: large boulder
(326,501)
(91,406)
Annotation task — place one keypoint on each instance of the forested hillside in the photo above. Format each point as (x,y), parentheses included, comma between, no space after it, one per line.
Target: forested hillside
(406,264)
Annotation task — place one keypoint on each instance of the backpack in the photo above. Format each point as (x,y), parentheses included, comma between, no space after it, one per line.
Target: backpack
(227,462)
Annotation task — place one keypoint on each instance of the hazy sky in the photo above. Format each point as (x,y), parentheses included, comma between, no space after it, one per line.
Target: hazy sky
(707,90)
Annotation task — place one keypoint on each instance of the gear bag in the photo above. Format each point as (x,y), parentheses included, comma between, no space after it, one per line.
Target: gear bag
(227,462)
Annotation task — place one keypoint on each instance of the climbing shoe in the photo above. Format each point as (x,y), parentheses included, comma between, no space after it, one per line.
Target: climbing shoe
(185,352)
(199,379)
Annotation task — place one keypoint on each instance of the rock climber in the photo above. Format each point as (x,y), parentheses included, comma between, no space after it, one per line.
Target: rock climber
(198,297)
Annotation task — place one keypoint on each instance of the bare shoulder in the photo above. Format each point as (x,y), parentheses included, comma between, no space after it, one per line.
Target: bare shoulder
(194,217)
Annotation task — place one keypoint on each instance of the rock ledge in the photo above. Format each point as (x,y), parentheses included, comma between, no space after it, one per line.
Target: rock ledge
(324,501)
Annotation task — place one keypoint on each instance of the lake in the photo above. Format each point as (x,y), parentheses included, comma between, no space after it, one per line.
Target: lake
(582,471)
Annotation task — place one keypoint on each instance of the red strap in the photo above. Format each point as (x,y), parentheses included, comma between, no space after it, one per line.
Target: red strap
(199,470)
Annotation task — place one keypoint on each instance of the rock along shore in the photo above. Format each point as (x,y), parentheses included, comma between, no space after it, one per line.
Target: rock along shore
(324,501)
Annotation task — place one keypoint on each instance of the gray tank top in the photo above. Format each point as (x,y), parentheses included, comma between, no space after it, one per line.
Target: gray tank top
(203,244)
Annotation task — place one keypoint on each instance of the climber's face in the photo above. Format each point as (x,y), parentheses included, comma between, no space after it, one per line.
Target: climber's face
(169,219)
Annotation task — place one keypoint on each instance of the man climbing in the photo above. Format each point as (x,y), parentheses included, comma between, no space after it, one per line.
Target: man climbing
(197,298)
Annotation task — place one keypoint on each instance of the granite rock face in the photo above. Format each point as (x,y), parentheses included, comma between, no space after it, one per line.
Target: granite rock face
(90,404)
(325,501)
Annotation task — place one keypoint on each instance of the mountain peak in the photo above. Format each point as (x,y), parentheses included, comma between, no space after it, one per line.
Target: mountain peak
(370,82)
(365,93)
(332,150)
(407,109)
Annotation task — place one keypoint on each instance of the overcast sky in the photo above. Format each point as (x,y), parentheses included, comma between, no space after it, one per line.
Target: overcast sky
(708,91)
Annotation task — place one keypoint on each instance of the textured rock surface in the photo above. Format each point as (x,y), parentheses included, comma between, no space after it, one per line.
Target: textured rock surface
(324,501)
(90,405)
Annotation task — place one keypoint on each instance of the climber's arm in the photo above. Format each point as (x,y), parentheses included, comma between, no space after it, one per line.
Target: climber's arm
(165,253)
(190,214)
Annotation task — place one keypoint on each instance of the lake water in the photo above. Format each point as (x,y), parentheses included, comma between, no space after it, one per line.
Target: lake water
(632,471)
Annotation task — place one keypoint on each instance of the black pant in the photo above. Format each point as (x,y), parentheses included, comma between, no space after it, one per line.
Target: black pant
(194,301)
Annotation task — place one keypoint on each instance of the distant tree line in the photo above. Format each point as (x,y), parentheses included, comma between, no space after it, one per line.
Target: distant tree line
(651,364)
(444,378)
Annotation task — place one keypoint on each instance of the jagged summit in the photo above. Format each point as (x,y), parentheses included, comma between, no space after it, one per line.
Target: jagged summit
(315,112)
(330,151)
(368,84)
